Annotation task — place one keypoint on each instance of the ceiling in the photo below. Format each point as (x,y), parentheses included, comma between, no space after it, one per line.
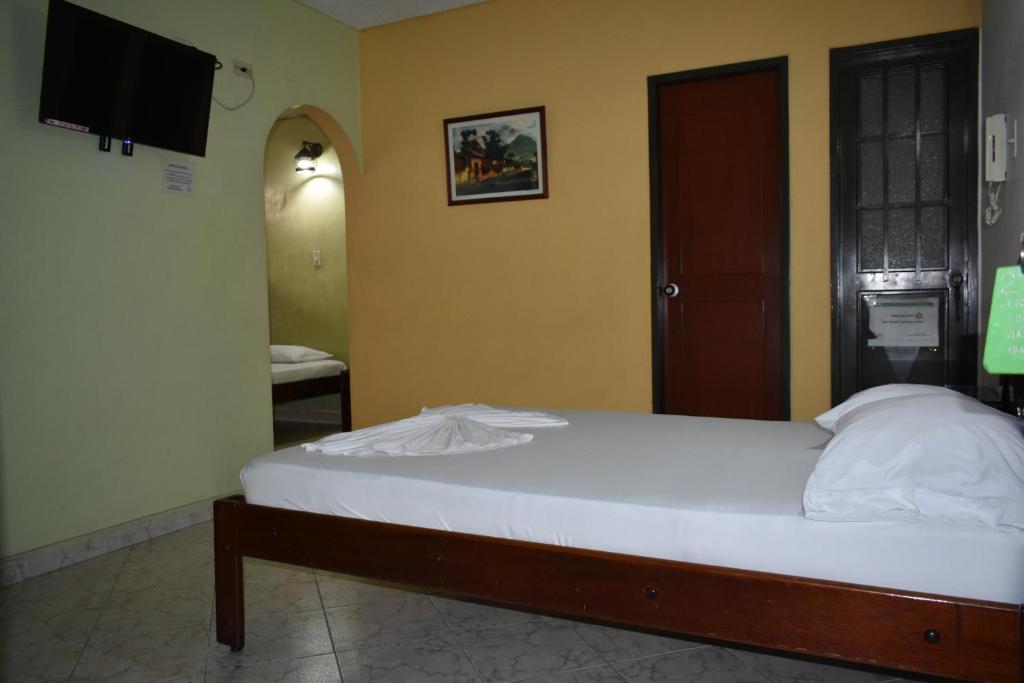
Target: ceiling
(368,13)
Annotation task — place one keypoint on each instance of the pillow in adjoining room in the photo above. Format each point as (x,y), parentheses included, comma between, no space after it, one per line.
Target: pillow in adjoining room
(861,398)
(285,353)
(929,457)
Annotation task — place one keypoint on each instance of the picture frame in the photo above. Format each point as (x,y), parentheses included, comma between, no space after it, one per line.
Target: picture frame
(496,157)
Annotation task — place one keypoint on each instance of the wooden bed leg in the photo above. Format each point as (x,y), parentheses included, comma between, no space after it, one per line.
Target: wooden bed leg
(346,402)
(228,577)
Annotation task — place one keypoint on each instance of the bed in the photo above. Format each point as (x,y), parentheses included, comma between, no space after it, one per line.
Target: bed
(308,379)
(671,532)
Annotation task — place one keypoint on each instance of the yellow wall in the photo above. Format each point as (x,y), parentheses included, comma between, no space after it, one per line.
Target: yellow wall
(308,305)
(547,302)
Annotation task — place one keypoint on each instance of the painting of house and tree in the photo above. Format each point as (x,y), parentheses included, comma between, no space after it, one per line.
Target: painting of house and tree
(496,157)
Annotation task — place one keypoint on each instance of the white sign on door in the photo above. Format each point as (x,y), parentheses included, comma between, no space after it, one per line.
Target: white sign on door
(903,322)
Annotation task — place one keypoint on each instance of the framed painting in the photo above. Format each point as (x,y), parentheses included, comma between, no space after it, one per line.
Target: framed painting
(496,157)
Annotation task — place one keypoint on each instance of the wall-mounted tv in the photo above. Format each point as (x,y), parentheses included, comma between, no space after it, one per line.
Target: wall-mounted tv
(109,78)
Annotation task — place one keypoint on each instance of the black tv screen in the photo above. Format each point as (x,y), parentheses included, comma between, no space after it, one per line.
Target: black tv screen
(110,78)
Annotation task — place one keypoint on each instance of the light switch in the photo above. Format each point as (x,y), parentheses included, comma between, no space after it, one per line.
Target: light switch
(316,258)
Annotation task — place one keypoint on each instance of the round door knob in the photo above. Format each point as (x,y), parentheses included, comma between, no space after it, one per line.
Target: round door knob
(670,290)
(932,636)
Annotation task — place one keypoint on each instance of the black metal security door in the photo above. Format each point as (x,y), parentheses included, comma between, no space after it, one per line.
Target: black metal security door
(904,248)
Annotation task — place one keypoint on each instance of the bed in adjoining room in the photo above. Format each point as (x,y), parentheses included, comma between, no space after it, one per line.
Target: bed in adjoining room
(299,372)
(891,535)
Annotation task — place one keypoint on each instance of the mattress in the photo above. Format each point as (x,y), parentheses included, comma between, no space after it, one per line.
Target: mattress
(282,373)
(704,490)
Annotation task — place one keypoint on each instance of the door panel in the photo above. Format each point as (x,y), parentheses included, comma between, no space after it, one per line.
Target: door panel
(903,211)
(710,149)
(713,329)
(718,234)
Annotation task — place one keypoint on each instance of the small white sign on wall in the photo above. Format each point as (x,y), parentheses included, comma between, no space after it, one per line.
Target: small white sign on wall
(178,176)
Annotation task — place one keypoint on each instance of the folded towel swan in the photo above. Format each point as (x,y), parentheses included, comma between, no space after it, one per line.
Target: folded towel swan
(465,428)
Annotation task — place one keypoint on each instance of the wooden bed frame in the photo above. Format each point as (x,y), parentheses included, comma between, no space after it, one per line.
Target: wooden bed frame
(318,386)
(939,635)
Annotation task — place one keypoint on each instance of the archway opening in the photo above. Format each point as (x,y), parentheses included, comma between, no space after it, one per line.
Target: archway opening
(307,278)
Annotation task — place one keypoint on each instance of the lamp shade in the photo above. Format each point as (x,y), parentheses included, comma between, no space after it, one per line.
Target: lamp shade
(305,158)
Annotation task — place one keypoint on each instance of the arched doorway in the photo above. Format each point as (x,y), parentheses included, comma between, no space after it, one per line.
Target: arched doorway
(307,269)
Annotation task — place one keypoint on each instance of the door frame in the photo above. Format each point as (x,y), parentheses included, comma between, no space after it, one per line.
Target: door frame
(658,304)
(901,47)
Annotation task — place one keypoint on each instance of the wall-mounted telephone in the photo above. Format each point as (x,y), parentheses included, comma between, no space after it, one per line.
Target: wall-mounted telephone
(995,148)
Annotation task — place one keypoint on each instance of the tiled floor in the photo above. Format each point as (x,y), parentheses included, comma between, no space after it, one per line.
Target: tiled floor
(145,614)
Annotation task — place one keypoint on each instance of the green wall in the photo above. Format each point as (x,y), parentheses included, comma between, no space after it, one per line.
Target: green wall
(308,305)
(133,322)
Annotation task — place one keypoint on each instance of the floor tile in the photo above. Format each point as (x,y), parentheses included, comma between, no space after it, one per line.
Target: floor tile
(601,674)
(178,657)
(80,587)
(616,644)
(272,637)
(295,593)
(789,670)
(384,621)
(43,662)
(340,589)
(163,609)
(171,553)
(318,669)
(700,665)
(264,570)
(25,628)
(463,615)
(534,648)
(188,577)
(432,660)
(42,647)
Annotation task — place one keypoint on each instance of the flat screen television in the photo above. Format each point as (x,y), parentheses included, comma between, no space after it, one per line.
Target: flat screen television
(112,79)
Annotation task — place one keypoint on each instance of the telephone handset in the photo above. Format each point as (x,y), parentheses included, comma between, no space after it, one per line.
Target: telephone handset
(995,148)
(997,145)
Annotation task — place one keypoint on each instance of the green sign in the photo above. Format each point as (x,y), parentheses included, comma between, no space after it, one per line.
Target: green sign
(1004,343)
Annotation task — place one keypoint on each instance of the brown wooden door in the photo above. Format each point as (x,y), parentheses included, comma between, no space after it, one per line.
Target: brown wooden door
(721,344)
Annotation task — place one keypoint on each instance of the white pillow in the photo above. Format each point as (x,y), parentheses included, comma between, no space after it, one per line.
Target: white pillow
(284,353)
(829,419)
(928,458)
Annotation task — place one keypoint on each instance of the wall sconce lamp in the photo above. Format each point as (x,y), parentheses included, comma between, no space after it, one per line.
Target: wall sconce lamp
(305,159)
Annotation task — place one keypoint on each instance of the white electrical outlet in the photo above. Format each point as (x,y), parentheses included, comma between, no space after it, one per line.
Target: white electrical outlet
(243,68)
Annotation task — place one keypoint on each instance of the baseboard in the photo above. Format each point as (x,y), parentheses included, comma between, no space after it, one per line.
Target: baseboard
(49,558)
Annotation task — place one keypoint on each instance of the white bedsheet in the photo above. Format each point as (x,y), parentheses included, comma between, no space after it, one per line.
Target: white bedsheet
(655,486)
(282,373)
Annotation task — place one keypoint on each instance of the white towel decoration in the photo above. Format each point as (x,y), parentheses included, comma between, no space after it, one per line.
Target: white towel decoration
(465,428)
(498,417)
